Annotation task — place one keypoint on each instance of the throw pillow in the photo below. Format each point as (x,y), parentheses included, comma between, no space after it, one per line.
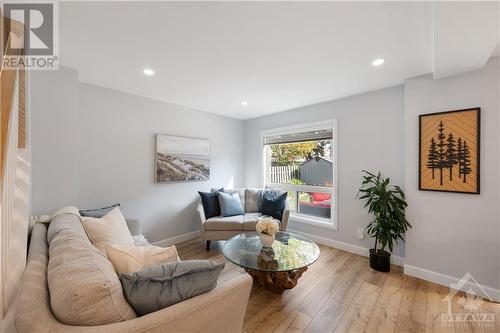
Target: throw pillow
(110,229)
(98,212)
(210,202)
(159,286)
(240,191)
(253,200)
(230,204)
(132,258)
(273,204)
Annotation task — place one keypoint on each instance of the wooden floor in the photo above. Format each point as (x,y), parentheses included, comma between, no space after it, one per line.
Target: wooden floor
(341,293)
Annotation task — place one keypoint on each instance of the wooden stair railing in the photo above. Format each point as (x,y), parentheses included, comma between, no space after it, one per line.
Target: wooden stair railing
(12,31)
(14,164)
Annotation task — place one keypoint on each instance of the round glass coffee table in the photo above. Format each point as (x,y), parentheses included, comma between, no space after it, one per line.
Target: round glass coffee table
(278,267)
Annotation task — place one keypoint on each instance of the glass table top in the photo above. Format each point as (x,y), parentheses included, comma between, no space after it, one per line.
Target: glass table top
(289,252)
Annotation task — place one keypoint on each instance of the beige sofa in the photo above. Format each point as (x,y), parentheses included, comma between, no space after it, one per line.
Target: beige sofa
(223,228)
(219,310)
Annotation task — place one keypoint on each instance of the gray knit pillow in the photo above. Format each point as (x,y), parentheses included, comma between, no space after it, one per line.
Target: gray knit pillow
(160,286)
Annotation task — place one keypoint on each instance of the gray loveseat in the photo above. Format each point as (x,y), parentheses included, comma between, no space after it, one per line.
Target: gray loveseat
(220,310)
(223,228)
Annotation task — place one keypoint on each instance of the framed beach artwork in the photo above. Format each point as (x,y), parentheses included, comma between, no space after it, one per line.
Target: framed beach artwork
(449,151)
(181,159)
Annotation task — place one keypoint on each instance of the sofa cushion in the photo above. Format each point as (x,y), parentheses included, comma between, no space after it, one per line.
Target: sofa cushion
(273,204)
(250,221)
(253,200)
(84,288)
(160,286)
(98,212)
(131,258)
(110,229)
(230,204)
(224,223)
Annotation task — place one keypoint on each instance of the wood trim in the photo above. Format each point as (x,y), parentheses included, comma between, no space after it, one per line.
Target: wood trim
(7,87)
(21,139)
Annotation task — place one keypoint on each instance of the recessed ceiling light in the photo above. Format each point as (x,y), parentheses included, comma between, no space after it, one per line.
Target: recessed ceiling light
(148,72)
(244,103)
(378,62)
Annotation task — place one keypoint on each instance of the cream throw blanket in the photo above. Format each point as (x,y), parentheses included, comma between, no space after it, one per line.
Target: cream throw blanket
(61,211)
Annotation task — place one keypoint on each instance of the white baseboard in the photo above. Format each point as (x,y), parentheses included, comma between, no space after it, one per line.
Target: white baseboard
(362,251)
(178,239)
(447,281)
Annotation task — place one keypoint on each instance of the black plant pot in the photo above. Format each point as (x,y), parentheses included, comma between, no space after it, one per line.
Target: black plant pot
(380,260)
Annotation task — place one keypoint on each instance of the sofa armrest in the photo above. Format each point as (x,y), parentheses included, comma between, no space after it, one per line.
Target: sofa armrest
(200,216)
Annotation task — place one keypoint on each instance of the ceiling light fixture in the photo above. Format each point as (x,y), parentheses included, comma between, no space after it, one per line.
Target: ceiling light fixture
(148,72)
(378,62)
(244,103)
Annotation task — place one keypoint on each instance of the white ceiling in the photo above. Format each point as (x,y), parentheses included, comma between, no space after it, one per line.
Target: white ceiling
(465,36)
(275,55)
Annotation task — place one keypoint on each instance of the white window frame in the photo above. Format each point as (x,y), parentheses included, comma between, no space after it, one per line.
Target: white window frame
(294,216)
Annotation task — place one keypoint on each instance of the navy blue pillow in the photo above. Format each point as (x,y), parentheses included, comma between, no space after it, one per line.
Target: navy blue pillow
(210,202)
(273,204)
(98,212)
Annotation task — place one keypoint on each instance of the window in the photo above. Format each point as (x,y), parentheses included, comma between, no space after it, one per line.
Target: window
(302,161)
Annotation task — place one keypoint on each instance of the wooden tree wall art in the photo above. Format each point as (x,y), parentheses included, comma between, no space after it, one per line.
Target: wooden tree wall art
(449,151)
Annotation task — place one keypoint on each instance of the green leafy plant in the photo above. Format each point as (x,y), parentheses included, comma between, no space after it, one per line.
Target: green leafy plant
(387,203)
(296,181)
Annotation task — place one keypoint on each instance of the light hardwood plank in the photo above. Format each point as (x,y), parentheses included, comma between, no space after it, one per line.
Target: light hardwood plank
(357,315)
(385,314)
(413,305)
(295,323)
(406,325)
(328,317)
(435,307)
(341,293)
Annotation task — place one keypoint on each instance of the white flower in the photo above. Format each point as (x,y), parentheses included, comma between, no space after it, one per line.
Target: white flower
(267,226)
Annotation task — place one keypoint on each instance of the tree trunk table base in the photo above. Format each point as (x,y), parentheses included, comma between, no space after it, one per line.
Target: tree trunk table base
(277,281)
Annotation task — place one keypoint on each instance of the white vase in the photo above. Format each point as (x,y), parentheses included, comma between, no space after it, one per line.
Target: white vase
(266,240)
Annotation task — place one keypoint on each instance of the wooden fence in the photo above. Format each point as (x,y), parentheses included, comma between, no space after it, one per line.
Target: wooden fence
(282,174)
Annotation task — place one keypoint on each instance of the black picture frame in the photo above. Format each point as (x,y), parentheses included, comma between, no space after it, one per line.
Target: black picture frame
(478,150)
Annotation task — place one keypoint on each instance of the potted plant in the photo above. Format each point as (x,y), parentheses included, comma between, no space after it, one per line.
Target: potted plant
(387,203)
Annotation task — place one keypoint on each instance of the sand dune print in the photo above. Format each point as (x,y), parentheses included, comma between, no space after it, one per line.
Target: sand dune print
(182,159)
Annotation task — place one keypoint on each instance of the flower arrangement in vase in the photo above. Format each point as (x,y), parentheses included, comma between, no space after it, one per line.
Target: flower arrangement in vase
(267,227)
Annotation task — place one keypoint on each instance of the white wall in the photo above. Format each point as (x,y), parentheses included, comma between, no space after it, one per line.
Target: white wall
(117,142)
(455,233)
(370,136)
(94,146)
(54,121)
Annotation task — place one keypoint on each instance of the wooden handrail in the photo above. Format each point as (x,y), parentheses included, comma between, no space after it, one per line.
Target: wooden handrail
(12,48)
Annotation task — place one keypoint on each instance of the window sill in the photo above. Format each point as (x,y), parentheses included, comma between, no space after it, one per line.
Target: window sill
(318,222)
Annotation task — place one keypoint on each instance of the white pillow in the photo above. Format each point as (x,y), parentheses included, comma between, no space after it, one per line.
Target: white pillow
(109,229)
(132,258)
